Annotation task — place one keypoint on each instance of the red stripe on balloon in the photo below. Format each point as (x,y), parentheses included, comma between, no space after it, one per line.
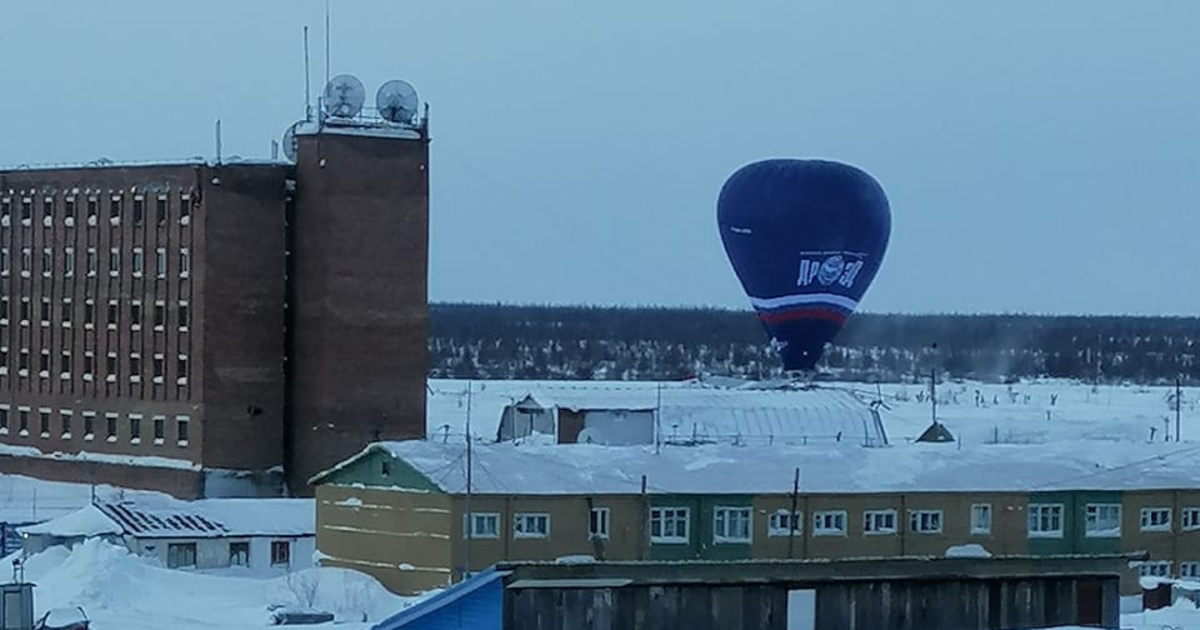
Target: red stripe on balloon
(778,317)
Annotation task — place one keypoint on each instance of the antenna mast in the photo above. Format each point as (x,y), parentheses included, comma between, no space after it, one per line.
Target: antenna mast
(307,85)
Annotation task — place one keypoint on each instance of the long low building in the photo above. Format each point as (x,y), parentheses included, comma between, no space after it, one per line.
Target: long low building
(410,514)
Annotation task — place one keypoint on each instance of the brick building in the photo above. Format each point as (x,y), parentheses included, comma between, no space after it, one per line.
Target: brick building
(215,329)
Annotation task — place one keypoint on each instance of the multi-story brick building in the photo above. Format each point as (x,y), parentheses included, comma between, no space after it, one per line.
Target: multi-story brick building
(210,329)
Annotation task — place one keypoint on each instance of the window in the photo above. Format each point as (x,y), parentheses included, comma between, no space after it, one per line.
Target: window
(67,311)
(1045,520)
(281,553)
(160,314)
(92,207)
(89,365)
(45,315)
(1156,519)
(110,420)
(1190,519)
(829,523)
(69,262)
(114,261)
(160,209)
(160,429)
(64,367)
(183,316)
(531,525)
(669,525)
(67,415)
(25,311)
(135,427)
(185,208)
(5,207)
(1189,570)
(91,261)
(731,525)
(110,365)
(48,211)
(1103,520)
(181,426)
(4,307)
(239,554)
(26,210)
(23,418)
(1154,568)
(89,424)
(181,555)
(89,313)
(112,314)
(160,262)
(44,422)
(137,261)
(482,525)
(47,262)
(3,418)
(139,209)
(23,362)
(181,369)
(158,367)
(135,367)
(981,518)
(879,522)
(598,523)
(135,315)
(26,261)
(784,523)
(185,263)
(4,261)
(69,211)
(44,364)
(114,208)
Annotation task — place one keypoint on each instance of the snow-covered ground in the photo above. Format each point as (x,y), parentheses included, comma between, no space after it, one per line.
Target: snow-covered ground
(120,591)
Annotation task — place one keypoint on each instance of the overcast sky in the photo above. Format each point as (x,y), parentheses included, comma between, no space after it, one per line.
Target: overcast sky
(1039,156)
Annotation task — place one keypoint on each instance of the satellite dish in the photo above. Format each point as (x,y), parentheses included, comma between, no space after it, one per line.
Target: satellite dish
(396,101)
(589,436)
(289,141)
(344,96)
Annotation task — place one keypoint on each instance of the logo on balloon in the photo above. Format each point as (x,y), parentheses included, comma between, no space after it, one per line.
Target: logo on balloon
(829,270)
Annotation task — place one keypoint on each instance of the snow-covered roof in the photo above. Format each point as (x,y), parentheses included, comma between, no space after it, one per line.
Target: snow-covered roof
(535,469)
(172,518)
(687,409)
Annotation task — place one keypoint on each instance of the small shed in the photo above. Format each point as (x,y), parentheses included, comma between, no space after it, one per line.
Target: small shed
(259,534)
(862,594)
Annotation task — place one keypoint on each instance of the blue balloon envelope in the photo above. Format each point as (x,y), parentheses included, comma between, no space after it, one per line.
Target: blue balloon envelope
(805,238)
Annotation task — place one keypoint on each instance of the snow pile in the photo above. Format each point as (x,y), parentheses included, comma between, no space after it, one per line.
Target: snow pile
(120,590)
(973,550)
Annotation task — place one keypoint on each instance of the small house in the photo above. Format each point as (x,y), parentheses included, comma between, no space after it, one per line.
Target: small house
(263,535)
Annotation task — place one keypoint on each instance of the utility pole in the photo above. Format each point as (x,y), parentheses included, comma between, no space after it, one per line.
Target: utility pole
(1178,405)
(793,519)
(658,420)
(468,521)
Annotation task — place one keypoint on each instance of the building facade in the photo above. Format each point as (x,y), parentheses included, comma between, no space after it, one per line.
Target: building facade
(378,513)
(214,329)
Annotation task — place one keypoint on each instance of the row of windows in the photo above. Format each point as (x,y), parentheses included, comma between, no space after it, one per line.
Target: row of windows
(669,525)
(137,262)
(182,555)
(46,420)
(1103,520)
(1162,568)
(136,313)
(112,371)
(91,207)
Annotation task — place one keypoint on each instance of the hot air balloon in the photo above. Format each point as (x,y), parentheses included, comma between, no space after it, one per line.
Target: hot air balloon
(805,238)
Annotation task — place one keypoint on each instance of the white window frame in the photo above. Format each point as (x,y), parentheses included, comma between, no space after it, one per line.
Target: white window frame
(879,522)
(1189,570)
(829,523)
(981,525)
(1094,528)
(784,522)
(598,523)
(926,521)
(1189,518)
(1147,518)
(472,525)
(531,525)
(675,516)
(733,524)
(1056,513)
(1154,568)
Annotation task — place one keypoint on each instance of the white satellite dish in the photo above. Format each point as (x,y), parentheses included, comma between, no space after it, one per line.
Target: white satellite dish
(344,96)
(289,141)
(589,436)
(396,101)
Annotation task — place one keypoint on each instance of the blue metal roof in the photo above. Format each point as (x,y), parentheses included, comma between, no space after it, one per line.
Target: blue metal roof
(475,603)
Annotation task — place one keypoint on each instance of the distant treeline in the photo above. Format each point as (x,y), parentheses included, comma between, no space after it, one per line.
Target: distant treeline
(610,343)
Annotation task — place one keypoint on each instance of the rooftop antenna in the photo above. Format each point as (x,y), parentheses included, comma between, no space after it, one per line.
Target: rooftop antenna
(326,41)
(307,85)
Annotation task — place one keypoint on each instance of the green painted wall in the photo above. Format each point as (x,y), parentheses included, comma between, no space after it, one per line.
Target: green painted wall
(1074,538)
(369,471)
(700,543)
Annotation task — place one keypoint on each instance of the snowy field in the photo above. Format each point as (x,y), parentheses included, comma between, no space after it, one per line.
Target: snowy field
(120,591)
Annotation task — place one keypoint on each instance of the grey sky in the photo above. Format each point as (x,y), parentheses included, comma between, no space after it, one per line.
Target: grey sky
(1039,156)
